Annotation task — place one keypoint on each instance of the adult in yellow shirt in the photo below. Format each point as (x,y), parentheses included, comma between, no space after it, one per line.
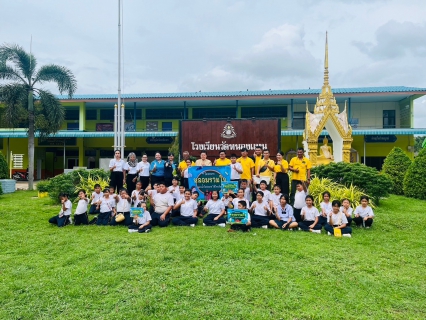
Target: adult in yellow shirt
(182,165)
(280,173)
(222,161)
(265,167)
(247,164)
(301,168)
(257,155)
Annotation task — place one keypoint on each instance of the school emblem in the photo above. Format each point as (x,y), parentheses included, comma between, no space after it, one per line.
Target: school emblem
(228,131)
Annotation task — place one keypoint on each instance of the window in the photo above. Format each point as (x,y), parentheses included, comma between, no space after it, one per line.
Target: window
(389,119)
(130,114)
(164,114)
(213,113)
(299,120)
(107,114)
(92,114)
(73,126)
(264,112)
(167,126)
(72,114)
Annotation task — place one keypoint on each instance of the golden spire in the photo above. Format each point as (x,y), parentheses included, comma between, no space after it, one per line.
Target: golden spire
(326,61)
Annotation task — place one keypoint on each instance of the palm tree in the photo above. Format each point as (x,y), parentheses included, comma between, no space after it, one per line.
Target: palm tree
(39,109)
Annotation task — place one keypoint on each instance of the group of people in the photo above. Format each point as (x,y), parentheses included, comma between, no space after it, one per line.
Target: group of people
(165,200)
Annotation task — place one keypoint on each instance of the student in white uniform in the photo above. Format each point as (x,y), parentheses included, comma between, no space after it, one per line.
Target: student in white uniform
(260,212)
(80,214)
(116,168)
(174,189)
(310,216)
(347,210)
(247,190)
(364,215)
(143,170)
(275,198)
(240,197)
(216,211)
(326,208)
(123,202)
(130,170)
(266,193)
(236,169)
(64,216)
(299,200)
(97,195)
(284,218)
(141,224)
(135,194)
(188,211)
(163,205)
(106,207)
(337,220)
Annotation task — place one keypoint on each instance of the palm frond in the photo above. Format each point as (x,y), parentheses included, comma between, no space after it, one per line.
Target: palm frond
(15,98)
(49,113)
(24,61)
(8,73)
(63,77)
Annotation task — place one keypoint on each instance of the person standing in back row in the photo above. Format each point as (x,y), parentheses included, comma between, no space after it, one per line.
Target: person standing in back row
(301,168)
(157,169)
(116,167)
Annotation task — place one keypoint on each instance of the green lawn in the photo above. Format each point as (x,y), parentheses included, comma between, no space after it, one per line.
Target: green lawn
(95,272)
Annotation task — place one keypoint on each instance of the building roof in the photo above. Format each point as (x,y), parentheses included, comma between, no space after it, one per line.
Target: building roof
(146,134)
(246,93)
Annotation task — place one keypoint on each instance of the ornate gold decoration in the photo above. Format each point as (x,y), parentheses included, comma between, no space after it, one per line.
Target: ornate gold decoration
(326,112)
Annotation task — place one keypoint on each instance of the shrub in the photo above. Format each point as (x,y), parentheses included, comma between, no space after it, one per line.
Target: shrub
(88,184)
(337,191)
(43,186)
(1,190)
(415,177)
(368,179)
(60,184)
(79,179)
(4,169)
(395,166)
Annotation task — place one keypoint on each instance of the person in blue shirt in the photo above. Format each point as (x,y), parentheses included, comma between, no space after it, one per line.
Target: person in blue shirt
(157,169)
(169,169)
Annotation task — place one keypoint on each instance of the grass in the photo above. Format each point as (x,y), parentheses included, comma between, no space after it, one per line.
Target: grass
(95,272)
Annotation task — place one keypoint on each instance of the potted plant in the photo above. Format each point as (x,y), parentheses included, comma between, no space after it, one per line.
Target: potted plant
(43,188)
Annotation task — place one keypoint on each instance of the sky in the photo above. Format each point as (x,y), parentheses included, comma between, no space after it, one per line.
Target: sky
(225,45)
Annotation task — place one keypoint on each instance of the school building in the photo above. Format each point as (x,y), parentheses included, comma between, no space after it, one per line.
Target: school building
(381,118)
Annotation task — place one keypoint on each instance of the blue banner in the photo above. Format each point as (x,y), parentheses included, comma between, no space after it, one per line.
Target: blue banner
(207,179)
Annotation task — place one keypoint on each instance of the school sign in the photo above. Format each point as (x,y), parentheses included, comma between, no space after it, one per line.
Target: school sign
(229,135)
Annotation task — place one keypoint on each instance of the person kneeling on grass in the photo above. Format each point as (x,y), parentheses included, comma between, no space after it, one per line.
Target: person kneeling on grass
(337,220)
(284,215)
(141,224)
(123,201)
(216,210)
(309,216)
(188,211)
(242,204)
(80,214)
(106,207)
(261,212)
(64,216)
(364,215)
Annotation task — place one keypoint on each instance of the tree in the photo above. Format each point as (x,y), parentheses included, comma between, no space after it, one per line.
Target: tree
(4,168)
(418,143)
(39,109)
(395,166)
(415,177)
